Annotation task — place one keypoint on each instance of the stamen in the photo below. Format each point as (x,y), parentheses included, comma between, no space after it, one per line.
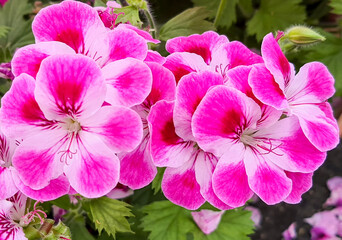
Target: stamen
(27,219)
(280,34)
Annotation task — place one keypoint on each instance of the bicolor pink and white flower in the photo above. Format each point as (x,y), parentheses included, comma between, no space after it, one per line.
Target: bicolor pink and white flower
(74,27)
(187,178)
(208,51)
(303,95)
(7,185)
(15,214)
(66,128)
(137,167)
(265,159)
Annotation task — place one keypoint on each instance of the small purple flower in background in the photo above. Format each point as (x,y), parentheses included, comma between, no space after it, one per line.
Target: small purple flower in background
(335,186)
(207,220)
(256,215)
(326,225)
(3,2)
(290,233)
(6,71)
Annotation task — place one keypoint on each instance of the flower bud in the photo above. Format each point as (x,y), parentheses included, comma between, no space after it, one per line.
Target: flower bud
(302,35)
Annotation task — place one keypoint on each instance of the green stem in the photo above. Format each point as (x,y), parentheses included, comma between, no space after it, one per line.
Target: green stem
(219,12)
(151,22)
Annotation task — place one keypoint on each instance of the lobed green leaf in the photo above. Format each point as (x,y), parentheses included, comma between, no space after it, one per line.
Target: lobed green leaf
(191,21)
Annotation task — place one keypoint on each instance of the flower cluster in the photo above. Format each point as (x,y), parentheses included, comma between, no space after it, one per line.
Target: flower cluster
(92,107)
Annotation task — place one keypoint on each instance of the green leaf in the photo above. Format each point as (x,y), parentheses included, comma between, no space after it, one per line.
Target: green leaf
(100,3)
(275,15)
(170,222)
(78,228)
(110,215)
(12,16)
(167,221)
(63,202)
(3,31)
(229,11)
(128,14)
(189,22)
(235,224)
(328,52)
(156,184)
(336,6)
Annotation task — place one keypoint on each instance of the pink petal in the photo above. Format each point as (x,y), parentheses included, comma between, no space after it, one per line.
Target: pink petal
(190,91)
(154,56)
(167,148)
(312,84)
(207,220)
(120,128)
(7,185)
(325,223)
(67,85)
(267,180)
(128,81)
(73,23)
(238,78)
(203,45)
(142,33)
(36,158)
(223,112)
(290,233)
(179,185)
(289,148)
(56,188)
(276,61)
(163,85)
(121,44)
(232,55)
(28,59)
(301,183)
(230,181)
(137,169)
(93,162)
(334,183)
(256,215)
(204,167)
(184,63)
(321,131)
(119,192)
(265,88)
(8,228)
(20,114)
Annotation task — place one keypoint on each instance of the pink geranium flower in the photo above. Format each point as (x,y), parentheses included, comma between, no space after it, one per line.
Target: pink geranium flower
(187,178)
(208,51)
(14,215)
(7,185)
(137,167)
(65,127)
(265,159)
(303,95)
(73,27)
